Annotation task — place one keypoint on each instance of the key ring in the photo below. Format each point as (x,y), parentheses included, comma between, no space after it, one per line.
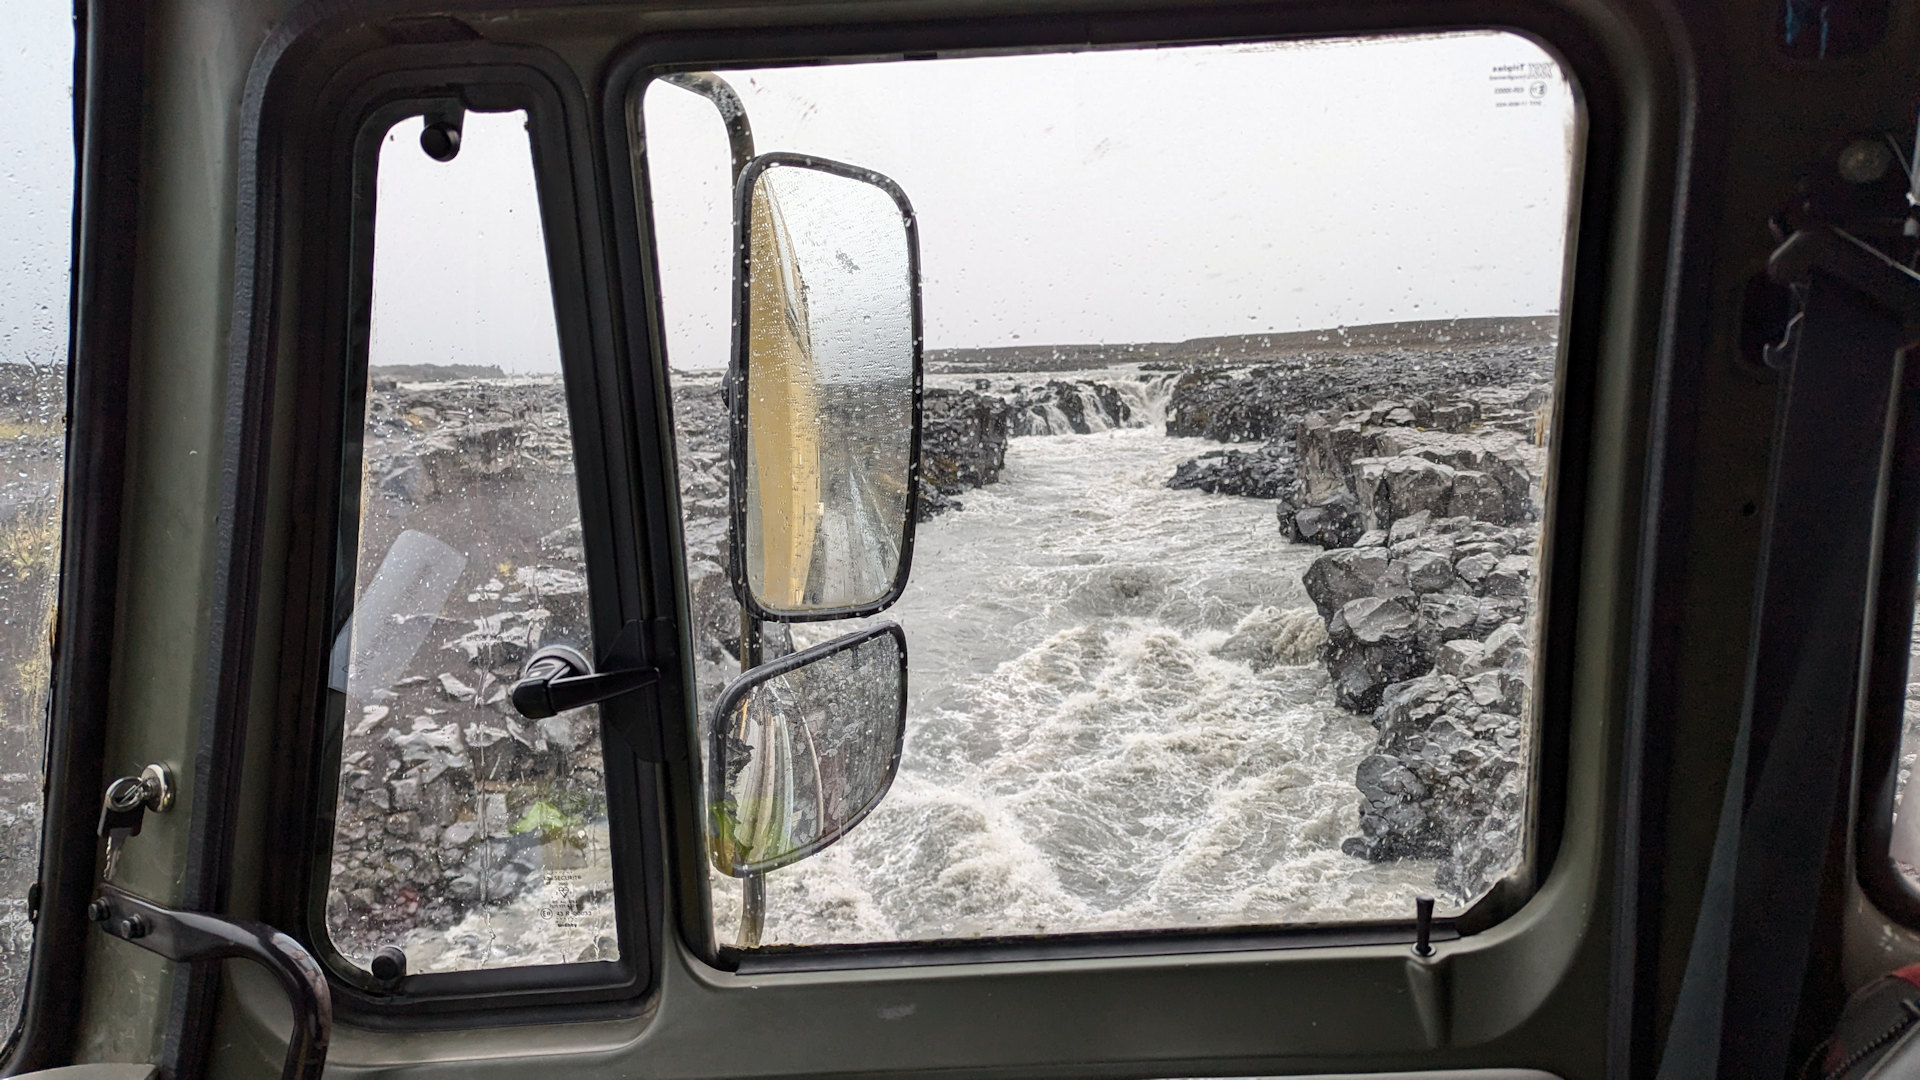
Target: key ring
(127,793)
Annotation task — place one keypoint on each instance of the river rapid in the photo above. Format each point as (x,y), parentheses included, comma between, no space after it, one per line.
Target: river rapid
(1117,718)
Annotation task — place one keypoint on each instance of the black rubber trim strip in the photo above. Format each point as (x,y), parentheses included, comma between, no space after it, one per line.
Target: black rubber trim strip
(1013,950)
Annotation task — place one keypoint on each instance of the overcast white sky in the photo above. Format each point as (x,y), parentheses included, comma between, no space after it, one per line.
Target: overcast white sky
(1094,197)
(1163,194)
(36,177)
(459,263)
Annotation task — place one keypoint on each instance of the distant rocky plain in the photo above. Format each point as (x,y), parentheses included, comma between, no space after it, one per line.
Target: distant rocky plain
(1412,453)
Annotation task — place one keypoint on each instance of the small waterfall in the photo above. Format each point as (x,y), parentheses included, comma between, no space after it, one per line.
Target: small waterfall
(1145,395)
(1045,418)
(1093,409)
(1043,408)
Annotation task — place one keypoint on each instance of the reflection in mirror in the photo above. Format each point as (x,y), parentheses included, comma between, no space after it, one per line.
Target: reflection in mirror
(802,748)
(830,327)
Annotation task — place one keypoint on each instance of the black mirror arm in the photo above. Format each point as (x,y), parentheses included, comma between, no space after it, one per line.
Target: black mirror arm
(560,677)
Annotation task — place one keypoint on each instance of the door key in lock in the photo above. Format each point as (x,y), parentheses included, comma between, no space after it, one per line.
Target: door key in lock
(126,803)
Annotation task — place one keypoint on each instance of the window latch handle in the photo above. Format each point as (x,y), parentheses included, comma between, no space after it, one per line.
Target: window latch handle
(560,677)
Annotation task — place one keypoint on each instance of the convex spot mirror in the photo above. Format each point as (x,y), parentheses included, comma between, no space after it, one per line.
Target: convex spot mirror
(825,389)
(802,748)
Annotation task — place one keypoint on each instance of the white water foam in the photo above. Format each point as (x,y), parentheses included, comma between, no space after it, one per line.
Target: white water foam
(1117,721)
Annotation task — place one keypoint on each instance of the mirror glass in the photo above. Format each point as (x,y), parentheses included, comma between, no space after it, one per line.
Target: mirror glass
(829,331)
(803,747)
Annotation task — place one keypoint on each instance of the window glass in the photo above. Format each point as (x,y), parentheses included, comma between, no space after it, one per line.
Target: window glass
(466,836)
(1240,373)
(36,214)
(1905,845)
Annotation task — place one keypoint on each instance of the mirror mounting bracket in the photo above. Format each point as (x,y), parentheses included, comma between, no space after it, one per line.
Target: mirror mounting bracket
(560,677)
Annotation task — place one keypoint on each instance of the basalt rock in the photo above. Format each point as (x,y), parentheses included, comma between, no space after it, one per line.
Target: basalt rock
(1335,523)
(1449,482)
(1265,473)
(1373,641)
(1397,469)
(963,439)
(1429,617)
(1392,610)
(1062,407)
(1444,780)
(1264,401)
(1430,629)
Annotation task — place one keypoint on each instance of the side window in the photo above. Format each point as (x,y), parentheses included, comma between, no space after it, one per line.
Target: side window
(1903,831)
(1240,378)
(36,157)
(464,836)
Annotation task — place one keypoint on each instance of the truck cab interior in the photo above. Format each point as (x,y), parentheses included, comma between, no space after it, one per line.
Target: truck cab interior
(985,539)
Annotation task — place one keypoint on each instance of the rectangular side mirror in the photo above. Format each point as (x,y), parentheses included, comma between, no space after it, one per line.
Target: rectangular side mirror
(825,389)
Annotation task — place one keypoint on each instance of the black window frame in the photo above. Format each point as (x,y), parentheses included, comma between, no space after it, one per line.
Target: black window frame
(368,95)
(1591,211)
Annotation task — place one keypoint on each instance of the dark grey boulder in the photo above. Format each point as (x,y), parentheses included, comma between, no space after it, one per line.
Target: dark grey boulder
(1412,485)
(1509,576)
(1373,642)
(1428,571)
(1335,523)
(963,439)
(1265,473)
(1450,616)
(1333,579)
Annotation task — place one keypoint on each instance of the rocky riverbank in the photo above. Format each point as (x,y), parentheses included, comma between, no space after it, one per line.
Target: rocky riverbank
(1428,504)
(1429,613)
